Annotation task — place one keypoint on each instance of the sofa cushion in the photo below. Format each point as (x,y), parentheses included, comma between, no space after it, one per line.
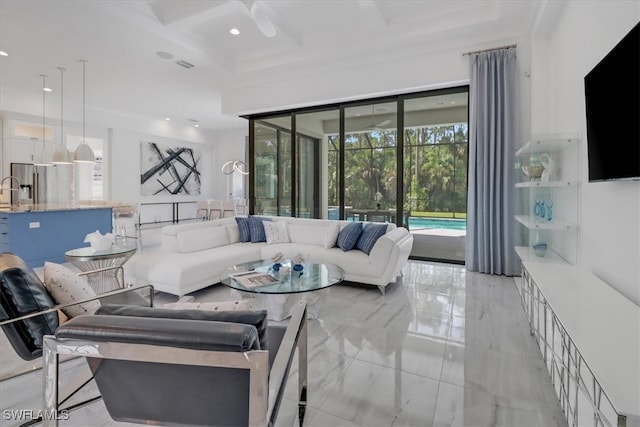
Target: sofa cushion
(243,229)
(202,238)
(233,232)
(349,235)
(23,293)
(370,235)
(290,250)
(238,305)
(256,229)
(257,318)
(308,234)
(276,232)
(179,271)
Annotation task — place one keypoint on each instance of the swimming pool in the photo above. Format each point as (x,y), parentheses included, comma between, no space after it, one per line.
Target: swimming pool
(441,223)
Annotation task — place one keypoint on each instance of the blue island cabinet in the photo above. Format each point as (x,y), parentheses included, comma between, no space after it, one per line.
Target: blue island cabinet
(40,236)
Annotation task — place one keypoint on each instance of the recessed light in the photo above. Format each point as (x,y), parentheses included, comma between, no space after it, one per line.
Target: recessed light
(164,55)
(196,125)
(234,31)
(167,119)
(184,64)
(47,89)
(3,53)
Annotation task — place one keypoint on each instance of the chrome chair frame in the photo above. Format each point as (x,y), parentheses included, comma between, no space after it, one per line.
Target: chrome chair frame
(266,385)
(115,292)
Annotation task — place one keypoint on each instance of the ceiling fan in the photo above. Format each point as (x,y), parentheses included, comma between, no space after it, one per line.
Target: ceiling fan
(259,15)
(374,125)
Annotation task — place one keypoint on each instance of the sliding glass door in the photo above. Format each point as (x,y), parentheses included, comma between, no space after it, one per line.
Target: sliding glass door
(308,184)
(277,162)
(399,159)
(370,162)
(435,174)
(272,170)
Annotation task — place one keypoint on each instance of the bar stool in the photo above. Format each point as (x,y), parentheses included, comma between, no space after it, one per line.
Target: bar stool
(202,209)
(216,209)
(241,207)
(228,209)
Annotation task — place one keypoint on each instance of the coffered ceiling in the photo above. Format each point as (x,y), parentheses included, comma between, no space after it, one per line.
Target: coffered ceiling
(133,47)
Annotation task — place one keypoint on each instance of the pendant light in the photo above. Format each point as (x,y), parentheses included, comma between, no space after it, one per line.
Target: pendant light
(84,153)
(61,156)
(39,158)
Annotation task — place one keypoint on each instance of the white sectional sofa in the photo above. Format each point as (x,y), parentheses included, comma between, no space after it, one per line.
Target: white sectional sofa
(194,255)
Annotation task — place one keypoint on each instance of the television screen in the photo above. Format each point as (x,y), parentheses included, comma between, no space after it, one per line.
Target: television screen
(612,95)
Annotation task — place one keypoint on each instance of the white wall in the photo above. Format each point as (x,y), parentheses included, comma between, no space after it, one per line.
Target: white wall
(340,82)
(565,48)
(230,145)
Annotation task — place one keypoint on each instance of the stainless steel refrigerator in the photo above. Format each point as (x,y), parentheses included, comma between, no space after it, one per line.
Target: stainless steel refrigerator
(42,184)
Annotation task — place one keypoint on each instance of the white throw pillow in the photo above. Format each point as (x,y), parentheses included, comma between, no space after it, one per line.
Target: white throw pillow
(233,232)
(331,235)
(276,232)
(241,305)
(66,287)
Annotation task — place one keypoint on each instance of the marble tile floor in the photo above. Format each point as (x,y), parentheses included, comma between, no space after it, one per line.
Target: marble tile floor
(443,347)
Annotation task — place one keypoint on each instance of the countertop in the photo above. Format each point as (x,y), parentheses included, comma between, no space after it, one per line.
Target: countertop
(47,207)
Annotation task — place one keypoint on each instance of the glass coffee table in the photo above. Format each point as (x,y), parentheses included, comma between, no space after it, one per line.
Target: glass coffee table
(253,280)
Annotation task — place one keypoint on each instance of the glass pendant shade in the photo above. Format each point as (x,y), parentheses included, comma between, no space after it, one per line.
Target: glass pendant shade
(84,154)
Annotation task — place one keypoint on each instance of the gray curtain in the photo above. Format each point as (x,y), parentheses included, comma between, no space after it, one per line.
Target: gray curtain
(492,136)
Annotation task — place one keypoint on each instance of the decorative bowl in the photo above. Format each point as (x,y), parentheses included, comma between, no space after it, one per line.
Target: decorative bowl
(297,267)
(540,249)
(276,266)
(533,172)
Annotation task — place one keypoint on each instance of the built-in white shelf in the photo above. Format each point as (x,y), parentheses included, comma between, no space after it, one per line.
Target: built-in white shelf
(589,336)
(547,143)
(527,254)
(534,223)
(545,184)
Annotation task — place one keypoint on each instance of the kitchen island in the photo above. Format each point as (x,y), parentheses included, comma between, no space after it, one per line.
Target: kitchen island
(44,232)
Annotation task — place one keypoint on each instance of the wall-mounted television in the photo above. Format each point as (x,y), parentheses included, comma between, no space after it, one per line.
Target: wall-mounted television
(612,95)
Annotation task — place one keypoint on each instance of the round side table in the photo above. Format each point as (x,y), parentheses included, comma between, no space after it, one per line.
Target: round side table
(103,268)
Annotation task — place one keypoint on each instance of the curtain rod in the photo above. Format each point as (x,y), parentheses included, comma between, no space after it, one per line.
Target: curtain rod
(489,50)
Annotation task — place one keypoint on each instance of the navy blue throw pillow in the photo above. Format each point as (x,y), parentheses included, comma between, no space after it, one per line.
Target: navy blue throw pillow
(257,229)
(370,235)
(243,228)
(349,235)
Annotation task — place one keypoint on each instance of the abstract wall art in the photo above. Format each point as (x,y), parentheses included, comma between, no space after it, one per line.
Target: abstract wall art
(168,170)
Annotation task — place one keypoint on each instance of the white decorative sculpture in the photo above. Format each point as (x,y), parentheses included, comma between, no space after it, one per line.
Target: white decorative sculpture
(99,242)
(547,163)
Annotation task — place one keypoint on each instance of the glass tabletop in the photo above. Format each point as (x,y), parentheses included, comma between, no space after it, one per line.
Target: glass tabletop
(114,251)
(260,277)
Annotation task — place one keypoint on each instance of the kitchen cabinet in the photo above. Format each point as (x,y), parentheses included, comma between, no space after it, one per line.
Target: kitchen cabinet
(46,233)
